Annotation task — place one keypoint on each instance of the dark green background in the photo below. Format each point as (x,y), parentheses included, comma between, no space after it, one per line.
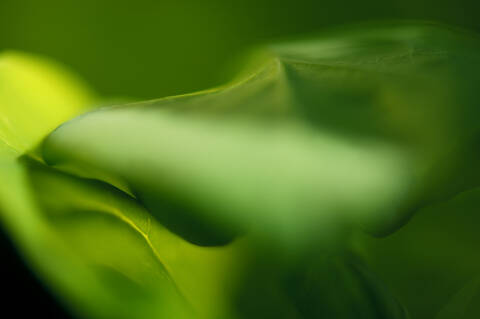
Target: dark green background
(148,49)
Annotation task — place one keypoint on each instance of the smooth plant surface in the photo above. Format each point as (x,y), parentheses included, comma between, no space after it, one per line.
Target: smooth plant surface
(334,178)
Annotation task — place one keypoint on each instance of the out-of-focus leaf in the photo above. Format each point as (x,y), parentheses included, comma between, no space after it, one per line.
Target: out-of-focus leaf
(281,179)
(356,127)
(145,266)
(432,264)
(460,302)
(36,95)
(77,238)
(320,284)
(349,127)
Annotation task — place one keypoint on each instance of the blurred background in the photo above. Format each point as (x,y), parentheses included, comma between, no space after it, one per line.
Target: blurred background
(147,49)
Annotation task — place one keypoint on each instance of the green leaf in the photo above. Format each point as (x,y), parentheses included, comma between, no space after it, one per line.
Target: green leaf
(36,95)
(458,304)
(432,264)
(71,241)
(324,132)
(323,138)
(145,268)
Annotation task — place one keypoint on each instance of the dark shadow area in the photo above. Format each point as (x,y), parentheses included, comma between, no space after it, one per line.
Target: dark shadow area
(23,294)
